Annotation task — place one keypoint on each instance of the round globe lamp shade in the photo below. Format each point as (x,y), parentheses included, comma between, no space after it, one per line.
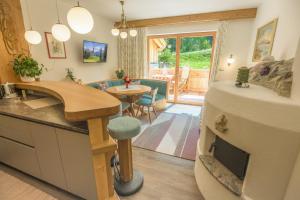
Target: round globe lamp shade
(33,37)
(80,20)
(115,31)
(61,32)
(133,33)
(123,35)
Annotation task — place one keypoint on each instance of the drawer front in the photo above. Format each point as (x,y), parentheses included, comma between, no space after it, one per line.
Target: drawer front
(19,156)
(16,129)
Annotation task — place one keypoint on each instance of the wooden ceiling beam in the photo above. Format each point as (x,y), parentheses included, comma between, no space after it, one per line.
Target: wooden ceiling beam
(201,17)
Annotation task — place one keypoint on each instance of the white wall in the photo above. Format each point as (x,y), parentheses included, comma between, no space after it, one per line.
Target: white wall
(237,41)
(288,29)
(43,14)
(296,81)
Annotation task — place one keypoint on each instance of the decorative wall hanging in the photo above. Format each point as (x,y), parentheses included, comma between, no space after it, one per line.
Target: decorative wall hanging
(264,40)
(12,40)
(221,123)
(56,49)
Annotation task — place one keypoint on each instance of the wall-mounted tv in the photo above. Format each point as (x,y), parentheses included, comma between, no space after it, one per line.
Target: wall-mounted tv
(94,52)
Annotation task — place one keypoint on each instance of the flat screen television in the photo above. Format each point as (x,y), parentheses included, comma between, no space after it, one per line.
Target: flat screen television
(94,52)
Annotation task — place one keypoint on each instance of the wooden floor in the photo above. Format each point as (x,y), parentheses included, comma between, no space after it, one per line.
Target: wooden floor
(166,178)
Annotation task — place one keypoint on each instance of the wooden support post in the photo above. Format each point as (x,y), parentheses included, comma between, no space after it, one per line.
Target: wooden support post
(125,159)
(103,148)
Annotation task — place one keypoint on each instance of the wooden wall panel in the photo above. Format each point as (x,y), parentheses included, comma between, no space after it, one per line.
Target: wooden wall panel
(12,40)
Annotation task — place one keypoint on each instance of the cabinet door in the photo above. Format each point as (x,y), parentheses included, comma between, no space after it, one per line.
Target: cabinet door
(77,161)
(46,145)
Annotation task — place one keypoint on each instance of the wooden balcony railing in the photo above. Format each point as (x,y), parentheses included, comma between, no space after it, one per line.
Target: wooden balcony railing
(197,80)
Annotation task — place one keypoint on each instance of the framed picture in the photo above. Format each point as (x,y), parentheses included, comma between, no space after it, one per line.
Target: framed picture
(264,40)
(56,49)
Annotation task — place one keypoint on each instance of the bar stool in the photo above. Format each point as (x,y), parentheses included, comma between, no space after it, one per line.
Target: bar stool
(127,181)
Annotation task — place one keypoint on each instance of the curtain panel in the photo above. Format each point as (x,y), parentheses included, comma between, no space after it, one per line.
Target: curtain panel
(132,54)
(220,42)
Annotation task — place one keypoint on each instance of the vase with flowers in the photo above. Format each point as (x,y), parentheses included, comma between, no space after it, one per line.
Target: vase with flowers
(127,81)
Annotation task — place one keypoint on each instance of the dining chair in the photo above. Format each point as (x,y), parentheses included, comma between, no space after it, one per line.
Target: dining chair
(147,102)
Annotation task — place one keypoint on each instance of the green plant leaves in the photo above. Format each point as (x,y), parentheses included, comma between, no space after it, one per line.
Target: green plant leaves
(27,66)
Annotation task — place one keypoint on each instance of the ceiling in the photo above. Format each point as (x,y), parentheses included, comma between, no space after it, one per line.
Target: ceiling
(143,9)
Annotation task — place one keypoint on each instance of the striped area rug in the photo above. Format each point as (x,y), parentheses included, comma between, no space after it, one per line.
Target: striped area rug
(175,132)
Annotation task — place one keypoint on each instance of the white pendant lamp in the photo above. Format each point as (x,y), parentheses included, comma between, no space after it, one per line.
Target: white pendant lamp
(80,20)
(31,36)
(60,31)
(123,26)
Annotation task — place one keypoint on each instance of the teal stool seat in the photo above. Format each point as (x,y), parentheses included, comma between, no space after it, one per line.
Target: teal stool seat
(123,128)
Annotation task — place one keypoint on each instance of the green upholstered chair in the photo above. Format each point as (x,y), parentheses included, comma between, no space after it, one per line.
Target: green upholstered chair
(161,85)
(123,129)
(147,102)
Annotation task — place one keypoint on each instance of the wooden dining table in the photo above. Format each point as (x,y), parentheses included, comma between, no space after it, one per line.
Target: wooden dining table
(133,92)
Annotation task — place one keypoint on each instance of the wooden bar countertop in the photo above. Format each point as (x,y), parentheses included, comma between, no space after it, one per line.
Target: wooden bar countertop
(81,102)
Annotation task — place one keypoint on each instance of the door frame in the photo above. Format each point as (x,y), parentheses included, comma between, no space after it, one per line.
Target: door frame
(178,37)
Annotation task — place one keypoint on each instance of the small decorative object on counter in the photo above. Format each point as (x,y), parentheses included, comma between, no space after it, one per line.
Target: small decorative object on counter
(242,77)
(120,73)
(7,91)
(27,68)
(127,81)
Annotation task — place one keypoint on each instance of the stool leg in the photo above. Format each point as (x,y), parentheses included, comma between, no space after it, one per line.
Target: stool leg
(125,160)
(131,181)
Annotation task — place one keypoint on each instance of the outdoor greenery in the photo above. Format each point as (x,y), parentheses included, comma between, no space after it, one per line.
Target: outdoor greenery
(27,66)
(195,52)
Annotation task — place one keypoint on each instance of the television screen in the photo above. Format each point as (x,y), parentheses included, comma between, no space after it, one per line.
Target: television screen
(94,52)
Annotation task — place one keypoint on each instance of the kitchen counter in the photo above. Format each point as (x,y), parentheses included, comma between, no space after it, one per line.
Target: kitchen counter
(51,116)
(42,144)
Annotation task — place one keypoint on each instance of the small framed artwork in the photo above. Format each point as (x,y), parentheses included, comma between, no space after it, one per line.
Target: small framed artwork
(56,49)
(264,40)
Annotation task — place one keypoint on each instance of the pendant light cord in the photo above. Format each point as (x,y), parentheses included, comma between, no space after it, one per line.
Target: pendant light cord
(28,13)
(57,12)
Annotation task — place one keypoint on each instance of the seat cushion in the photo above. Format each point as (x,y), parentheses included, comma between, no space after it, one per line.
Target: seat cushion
(157,98)
(94,85)
(123,128)
(160,84)
(112,83)
(144,101)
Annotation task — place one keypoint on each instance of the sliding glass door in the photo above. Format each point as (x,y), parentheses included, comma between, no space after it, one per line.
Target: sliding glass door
(184,60)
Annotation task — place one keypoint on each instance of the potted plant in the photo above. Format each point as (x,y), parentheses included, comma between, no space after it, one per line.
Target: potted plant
(120,73)
(27,68)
